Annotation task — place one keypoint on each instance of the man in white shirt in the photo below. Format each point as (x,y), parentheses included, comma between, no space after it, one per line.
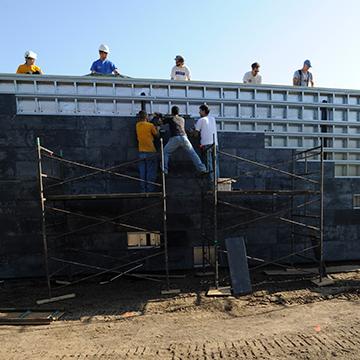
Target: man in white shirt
(253,76)
(180,71)
(206,126)
(303,77)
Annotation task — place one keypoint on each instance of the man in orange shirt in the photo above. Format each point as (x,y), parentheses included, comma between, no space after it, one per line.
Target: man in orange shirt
(29,67)
(146,133)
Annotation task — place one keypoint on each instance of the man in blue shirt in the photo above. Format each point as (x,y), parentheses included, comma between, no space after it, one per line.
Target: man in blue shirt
(103,66)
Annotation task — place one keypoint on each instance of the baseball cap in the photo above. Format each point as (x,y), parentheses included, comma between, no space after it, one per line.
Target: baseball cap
(307,62)
(179,57)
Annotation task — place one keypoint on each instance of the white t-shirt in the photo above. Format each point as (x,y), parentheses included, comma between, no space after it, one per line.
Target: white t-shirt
(305,78)
(207,128)
(180,73)
(249,78)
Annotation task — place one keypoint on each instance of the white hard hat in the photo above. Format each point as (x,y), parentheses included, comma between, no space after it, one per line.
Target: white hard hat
(30,54)
(104,48)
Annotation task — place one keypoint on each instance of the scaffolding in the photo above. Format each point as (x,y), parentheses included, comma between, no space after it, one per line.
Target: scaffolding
(50,183)
(299,199)
(303,209)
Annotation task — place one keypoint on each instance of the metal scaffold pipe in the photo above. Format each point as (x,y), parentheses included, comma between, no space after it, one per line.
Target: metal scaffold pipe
(43,215)
(164,215)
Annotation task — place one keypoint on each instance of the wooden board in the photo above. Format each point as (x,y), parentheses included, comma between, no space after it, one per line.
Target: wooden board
(170,292)
(204,273)
(221,291)
(304,271)
(54,299)
(14,316)
(103,196)
(324,282)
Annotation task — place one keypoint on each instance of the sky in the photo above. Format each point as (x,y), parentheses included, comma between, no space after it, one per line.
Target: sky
(219,39)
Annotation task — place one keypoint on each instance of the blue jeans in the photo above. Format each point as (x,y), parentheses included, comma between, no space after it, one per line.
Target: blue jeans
(176,142)
(148,170)
(208,160)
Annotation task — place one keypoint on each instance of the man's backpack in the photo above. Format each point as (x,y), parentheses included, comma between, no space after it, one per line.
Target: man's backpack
(306,80)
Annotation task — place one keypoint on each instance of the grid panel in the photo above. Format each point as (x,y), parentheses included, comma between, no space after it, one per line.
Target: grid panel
(290,117)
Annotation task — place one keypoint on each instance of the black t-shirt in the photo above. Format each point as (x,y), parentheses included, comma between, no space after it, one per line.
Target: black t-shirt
(176,124)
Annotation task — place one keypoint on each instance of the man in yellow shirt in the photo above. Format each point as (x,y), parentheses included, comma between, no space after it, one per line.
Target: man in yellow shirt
(146,133)
(29,67)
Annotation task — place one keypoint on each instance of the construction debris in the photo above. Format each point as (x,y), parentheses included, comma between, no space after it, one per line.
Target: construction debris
(54,299)
(323,282)
(307,270)
(221,291)
(13,316)
(170,291)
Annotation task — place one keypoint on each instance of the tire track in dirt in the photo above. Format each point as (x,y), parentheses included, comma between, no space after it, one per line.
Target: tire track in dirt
(338,343)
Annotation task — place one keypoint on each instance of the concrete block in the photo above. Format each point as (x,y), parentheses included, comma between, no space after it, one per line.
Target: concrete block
(180,255)
(122,123)
(60,138)
(85,123)
(8,208)
(7,104)
(180,221)
(26,169)
(76,154)
(9,189)
(347,217)
(9,226)
(22,265)
(50,122)
(8,122)
(335,251)
(117,155)
(27,190)
(7,163)
(241,140)
(25,207)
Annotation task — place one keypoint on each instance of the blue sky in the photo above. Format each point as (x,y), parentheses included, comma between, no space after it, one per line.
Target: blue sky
(219,39)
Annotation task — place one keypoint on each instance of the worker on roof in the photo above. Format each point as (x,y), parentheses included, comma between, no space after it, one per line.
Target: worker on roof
(180,71)
(253,76)
(29,67)
(303,77)
(146,133)
(178,139)
(206,127)
(103,66)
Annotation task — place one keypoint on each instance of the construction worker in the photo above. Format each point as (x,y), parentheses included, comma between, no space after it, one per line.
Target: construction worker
(103,66)
(146,133)
(206,127)
(303,76)
(253,76)
(179,139)
(180,71)
(29,67)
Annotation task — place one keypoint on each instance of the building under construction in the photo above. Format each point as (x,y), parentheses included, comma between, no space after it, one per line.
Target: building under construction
(289,162)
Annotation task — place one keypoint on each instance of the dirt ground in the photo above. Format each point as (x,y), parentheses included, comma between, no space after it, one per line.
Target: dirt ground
(284,318)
